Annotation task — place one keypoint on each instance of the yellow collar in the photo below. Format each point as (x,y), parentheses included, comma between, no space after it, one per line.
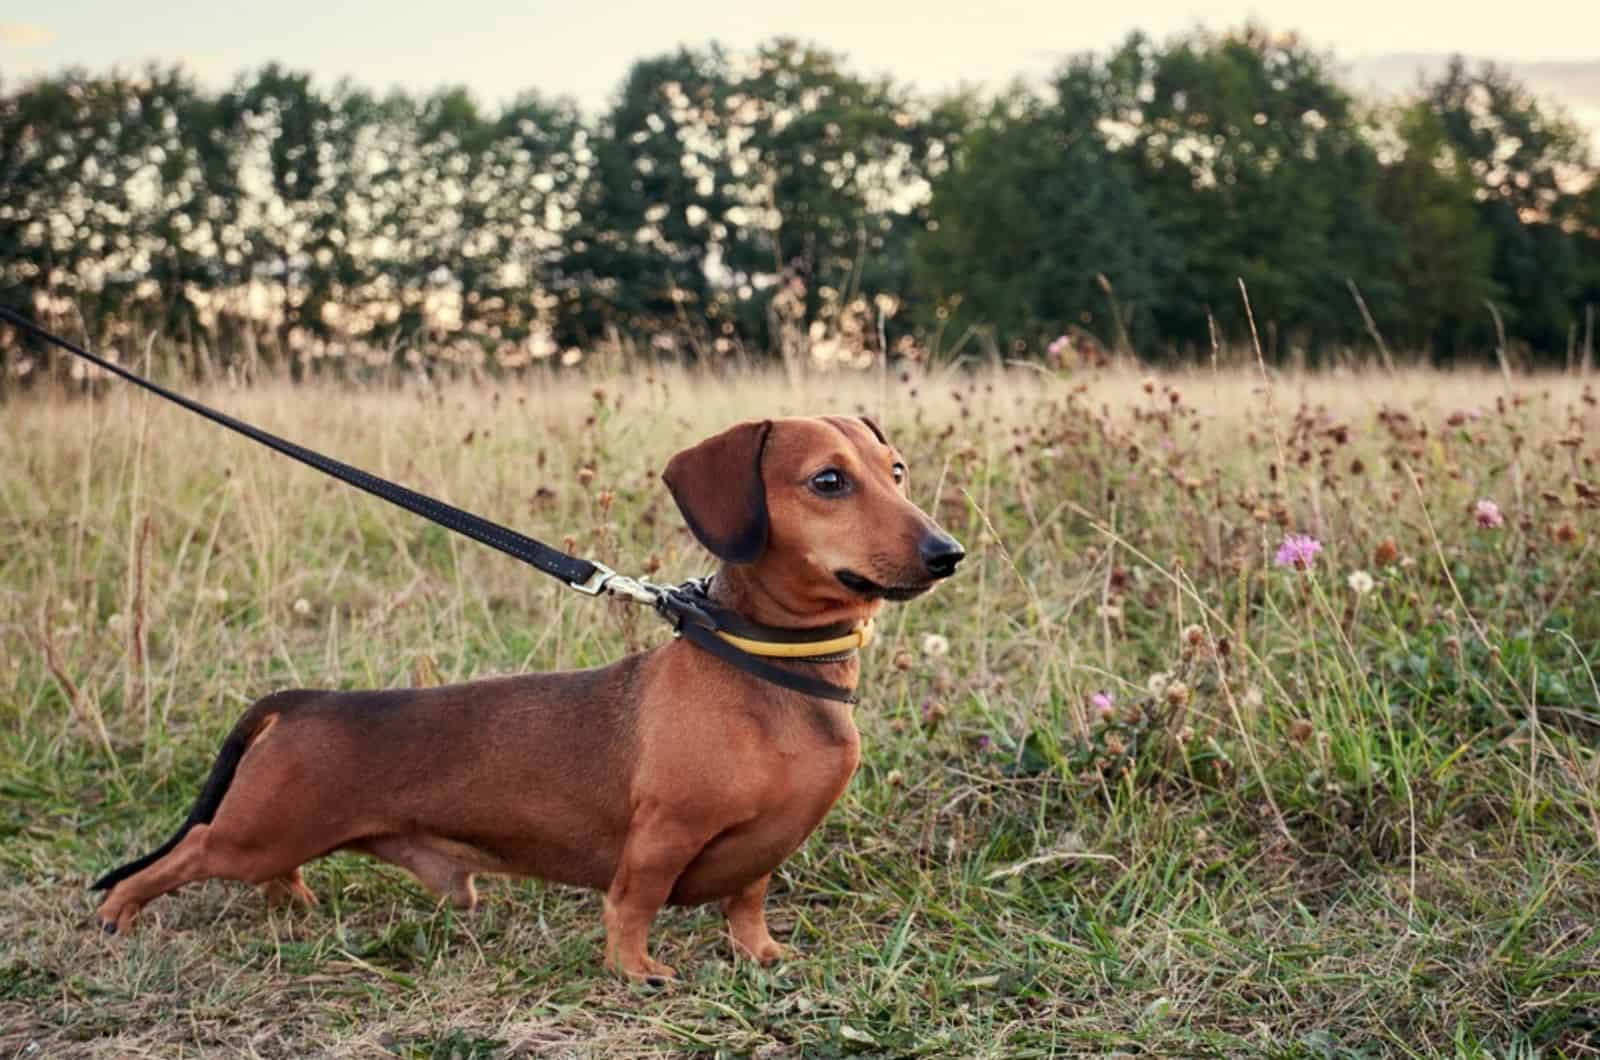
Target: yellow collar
(857,638)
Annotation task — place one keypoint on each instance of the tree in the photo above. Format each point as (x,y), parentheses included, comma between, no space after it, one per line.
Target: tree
(1255,161)
(1035,211)
(1526,161)
(1445,262)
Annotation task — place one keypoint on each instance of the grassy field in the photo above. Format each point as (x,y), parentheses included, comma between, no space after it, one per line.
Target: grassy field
(1349,810)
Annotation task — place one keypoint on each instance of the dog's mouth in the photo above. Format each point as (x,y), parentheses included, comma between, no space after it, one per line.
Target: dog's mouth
(873,591)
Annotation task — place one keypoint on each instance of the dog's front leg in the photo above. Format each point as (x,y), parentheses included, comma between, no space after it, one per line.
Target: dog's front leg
(747,922)
(654,855)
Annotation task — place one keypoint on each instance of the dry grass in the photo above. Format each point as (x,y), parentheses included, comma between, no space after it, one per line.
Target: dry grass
(1316,823)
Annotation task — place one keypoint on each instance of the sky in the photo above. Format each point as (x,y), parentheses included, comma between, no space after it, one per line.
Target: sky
(498,48)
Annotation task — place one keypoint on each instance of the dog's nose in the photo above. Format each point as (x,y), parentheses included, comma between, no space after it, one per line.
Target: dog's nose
(940,554)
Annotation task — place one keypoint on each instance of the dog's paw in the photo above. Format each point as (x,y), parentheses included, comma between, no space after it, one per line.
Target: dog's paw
(650,973)
(116,919)
(763,951)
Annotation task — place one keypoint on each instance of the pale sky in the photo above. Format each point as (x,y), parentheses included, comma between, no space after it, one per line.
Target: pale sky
(582,50)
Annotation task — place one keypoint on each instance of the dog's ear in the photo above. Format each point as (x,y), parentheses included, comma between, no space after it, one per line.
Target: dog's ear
(872,425)
(719,490)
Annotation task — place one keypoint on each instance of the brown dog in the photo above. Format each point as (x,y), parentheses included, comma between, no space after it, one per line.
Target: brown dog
(669,776)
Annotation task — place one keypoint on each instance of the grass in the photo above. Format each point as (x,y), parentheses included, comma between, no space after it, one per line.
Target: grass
(1314,822)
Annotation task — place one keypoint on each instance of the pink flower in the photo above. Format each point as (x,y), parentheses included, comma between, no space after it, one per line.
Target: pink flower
(1488,515)
(1104,709)
(985,744)
(1058,345)
(1298,551)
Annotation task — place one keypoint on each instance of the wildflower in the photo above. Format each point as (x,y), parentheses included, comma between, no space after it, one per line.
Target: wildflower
(1177,693)
(934,645)
(903,660)
(1487,513)
(1360,582)
(985,744)
(1157,684)
(302,606)
(1298,551)
(1058,346)
(1104,709)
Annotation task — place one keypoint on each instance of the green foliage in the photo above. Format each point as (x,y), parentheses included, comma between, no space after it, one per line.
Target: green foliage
(777,201)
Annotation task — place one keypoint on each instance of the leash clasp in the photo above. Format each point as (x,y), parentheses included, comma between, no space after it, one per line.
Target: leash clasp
(606,580)
(636,589)
(596,583)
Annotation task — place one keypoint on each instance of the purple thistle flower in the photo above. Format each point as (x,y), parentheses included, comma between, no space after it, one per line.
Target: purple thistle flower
(1298,551)
(1488,515)
(1104,709)
(985,745)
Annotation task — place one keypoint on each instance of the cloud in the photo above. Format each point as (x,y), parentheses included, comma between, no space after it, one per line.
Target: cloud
(25,35)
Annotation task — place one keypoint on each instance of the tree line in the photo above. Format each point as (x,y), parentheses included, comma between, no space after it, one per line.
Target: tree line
(777,203)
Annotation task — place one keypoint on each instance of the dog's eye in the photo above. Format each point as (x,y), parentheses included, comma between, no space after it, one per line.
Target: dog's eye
(831,480)
(899,472)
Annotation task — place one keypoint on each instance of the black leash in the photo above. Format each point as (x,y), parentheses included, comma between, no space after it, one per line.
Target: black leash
(687,607)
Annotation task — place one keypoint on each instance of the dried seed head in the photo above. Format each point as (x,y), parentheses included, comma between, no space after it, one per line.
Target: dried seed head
(1301,730)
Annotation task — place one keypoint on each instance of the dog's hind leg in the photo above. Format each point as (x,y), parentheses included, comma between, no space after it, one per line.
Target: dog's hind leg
(185,863)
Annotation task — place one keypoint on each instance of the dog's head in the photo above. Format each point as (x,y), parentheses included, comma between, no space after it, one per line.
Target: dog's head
(814,512)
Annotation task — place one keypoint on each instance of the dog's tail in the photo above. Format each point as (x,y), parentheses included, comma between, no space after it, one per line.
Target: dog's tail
(216,786)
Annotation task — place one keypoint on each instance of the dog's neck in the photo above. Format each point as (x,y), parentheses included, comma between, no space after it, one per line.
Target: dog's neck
(736,589)
(739,590)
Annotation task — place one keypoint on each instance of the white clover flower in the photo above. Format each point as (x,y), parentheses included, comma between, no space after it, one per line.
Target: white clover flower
(1360,582)
(934,645)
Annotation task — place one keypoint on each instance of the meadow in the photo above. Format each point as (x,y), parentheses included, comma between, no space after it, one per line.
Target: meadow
(1151,776)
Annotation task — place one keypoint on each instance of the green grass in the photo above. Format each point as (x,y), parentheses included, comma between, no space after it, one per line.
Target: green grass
(1317,824)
